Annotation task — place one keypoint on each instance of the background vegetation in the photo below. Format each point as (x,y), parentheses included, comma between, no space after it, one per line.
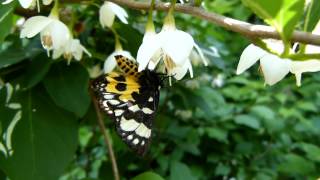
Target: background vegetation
(214,126)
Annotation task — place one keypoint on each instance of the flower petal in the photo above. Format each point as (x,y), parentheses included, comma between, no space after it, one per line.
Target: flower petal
(155,60)
(274,68)
(201,54)
(60,34)
(75,49)
(299,67)
(275,45)
(106,15)
(7,2)
(25,3)
(180,71)
(250,55)
(147,50)
(34,25)
(176,44)
(110,63)
(86,51)
(57,53)
(120,12)
(46,2)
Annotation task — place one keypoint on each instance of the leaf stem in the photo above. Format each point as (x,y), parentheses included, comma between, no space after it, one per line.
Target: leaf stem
(118,46)
(106,136)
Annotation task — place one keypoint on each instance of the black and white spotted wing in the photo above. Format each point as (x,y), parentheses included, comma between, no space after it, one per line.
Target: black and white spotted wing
(131,101)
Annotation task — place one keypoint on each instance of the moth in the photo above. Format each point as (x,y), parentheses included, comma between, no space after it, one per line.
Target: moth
(131,100)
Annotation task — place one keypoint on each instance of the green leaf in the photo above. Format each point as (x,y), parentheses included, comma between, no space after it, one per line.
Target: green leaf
(281,14)
(6,19)
(307,106)
(44,140)
(8,58)
(2,175)
(10,115)
(263,176)
(263,112)
(313,15)
(218,134)
(268,117)
(313,151)
(247,120)
(132,34)
(68,87)
(18,52)
(295,164)
(148,176)
(36,71)
(85,134)
(180,171)
(220,6)
(222,170)
(211,102)
(244,148)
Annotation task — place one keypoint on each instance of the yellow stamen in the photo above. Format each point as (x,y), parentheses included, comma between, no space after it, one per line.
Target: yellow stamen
(169,63)
(67,56)
(47,41)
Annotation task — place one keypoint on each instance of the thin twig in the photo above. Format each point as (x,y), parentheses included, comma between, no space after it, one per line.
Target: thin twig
(244,28)
(251,31)
(106,137)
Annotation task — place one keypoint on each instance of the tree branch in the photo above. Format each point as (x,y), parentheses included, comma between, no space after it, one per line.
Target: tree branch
(106,137)
(244,28)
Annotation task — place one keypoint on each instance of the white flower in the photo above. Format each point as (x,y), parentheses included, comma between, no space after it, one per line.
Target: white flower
(172,46)
(149,51)
(28,3)
(111,62)
(273,67)
(108,11)
(180,71)
(46,2)
(299,67)
(54,34)
(24,3)
(72,48)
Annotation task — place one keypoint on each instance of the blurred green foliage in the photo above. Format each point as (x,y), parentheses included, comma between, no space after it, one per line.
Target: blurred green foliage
(214,126)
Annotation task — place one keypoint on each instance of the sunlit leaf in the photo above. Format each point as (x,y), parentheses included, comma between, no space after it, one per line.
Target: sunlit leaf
(295,164)
(313,15)
(281,14)
(218,134)
(313,151)
(247,120)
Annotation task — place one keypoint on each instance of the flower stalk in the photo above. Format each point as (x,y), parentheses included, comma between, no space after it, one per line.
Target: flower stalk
(169,19)
(150,26)
(55,10)
(117,44)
